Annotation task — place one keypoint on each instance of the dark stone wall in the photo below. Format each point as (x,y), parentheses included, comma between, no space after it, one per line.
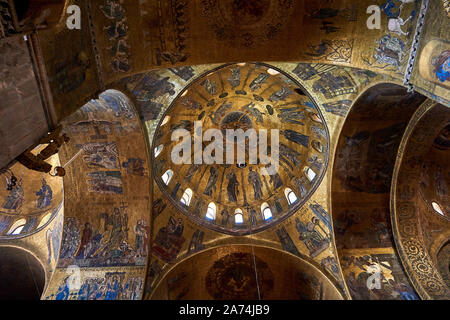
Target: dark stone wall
(22,117)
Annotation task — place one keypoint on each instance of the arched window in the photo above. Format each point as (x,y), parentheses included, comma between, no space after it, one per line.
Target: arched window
(186,198)
(17,227)
(290,196)
(272,72)
(18,230)
(165,120)
(167,176)
(158,150)
(437,208)
(238,217)
(211,211)
(266,212)
(44,220)
(317,145)
(314,117)
(310,174)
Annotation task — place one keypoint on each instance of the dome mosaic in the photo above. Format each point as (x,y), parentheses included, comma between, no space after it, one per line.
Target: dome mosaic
(29,199)
(242,197)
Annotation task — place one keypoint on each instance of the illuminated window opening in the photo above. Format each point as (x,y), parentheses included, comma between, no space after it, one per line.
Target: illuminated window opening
(290,196)
(238,217)
(186,198)
(158,150)
(272,72)
(167,176)
(18,230)
(165,120)
(437,208)
(266,212)
(314,117)
(211,211)
(310,174)
(17,227)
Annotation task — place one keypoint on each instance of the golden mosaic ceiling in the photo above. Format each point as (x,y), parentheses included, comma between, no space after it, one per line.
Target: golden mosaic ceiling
(419,201)
(242,96)
(29,199)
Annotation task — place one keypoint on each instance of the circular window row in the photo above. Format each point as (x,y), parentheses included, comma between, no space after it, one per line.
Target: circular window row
(211,211)
(23,226)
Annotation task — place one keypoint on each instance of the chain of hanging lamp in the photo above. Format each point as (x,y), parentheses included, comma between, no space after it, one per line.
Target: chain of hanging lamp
(254,258)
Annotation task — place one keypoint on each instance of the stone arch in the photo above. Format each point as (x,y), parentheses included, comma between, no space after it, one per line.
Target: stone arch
(421,235)
(280,276)
(28,284)
(364,160)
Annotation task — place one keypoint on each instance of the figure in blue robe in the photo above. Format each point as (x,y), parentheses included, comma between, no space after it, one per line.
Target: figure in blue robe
(388,8)
(45,195)
(393,10)
(63,291)
(83,293)
(297,137)
(443,70)
(111,293)
(14,200)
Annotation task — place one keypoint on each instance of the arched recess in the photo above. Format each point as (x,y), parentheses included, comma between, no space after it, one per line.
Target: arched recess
(106,188)
(22,276)
(420,179)
(361,179)
(228,272)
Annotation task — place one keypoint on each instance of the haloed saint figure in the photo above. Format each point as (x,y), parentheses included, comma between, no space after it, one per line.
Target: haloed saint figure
(441,65)
(45,195)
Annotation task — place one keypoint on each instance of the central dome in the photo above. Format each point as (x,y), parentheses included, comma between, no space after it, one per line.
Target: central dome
(242,196)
